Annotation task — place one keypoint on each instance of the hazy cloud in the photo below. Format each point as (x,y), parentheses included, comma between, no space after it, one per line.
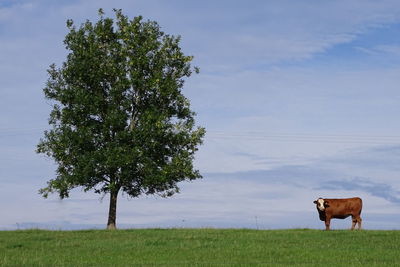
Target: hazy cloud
(362,184)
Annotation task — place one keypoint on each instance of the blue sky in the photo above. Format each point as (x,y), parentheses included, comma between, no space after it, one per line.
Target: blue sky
(300,100)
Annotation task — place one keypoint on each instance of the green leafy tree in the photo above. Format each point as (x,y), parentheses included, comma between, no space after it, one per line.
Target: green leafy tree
(120,122)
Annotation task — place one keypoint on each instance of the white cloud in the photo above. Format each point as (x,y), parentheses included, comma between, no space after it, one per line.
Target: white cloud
(279,198)
(389,49)
(296,115)
(288,31)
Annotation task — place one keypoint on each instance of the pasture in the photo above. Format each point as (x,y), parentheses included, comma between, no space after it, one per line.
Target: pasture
(199,247)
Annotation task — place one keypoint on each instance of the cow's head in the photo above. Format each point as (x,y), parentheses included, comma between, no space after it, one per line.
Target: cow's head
(321,204)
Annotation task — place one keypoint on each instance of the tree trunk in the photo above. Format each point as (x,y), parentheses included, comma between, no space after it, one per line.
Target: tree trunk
(112,212)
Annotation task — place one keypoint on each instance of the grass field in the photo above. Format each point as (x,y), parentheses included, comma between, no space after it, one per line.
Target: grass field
(199,247)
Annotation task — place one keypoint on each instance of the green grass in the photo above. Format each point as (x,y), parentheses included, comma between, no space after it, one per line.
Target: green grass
(199,247)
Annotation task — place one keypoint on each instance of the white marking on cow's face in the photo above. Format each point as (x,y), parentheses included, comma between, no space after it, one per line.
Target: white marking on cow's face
(320,204)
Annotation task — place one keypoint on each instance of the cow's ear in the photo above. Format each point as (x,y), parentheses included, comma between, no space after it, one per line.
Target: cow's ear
(326,204)
(315,202)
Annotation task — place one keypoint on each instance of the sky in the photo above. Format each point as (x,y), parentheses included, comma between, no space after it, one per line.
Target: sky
(300,100)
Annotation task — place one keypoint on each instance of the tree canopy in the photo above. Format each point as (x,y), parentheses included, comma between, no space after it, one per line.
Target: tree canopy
(119,119)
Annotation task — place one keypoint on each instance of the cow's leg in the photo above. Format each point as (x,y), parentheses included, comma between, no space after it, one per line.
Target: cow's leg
(327,223)
(354,221)
(359,222)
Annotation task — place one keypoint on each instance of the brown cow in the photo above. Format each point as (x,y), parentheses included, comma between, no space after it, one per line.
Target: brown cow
(339,208)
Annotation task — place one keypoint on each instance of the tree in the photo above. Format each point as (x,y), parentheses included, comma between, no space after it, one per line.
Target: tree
(119,119)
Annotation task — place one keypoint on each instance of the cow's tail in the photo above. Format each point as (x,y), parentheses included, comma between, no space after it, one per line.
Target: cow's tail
(361,206)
